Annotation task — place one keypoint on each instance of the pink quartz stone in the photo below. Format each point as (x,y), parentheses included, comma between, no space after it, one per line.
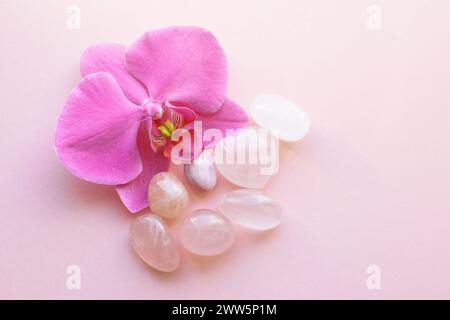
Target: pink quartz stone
(206,232)
(167,196)
(285,120)
(248,159)
(201,173)
(153,243)
(252,209)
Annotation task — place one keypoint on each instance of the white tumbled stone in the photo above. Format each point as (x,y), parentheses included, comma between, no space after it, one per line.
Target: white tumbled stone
(252,209)
(206,232)
(249,158)
(201,173)
(286,120)
(152,242)
(167,196)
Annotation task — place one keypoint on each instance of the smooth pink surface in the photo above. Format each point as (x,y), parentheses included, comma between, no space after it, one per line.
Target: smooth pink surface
(369,184)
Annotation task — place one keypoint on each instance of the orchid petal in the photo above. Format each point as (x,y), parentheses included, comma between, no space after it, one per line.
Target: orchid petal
(110,58)
(181,64)
(96,132)
(229,116)
(134,194)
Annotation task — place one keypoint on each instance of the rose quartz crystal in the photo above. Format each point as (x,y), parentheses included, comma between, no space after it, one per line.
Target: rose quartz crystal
(167,195)
(244,159)
(201,173)
(286,120)
(153,243)
(206,232)
(252,209)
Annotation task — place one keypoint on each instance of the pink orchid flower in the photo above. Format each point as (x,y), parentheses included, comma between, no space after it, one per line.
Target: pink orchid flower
(116,125)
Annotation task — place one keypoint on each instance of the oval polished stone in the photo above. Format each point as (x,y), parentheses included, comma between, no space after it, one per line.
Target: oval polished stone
(247,159)
(153,243)
(206,232)
(167,196)
(201,173)
(252,209)
(289,122)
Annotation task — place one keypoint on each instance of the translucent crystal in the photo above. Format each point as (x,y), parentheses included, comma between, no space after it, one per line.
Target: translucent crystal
(153,243)
(288,121)
(167,196)
(206,232)
(252,209)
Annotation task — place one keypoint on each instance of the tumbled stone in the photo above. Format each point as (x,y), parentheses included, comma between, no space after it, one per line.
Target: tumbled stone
(167,196)
(206,232)
(288,121)
(252,209)
(247,159)
(153,243)
(201,173)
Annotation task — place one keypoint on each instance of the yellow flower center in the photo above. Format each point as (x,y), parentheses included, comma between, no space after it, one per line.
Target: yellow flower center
(167,128)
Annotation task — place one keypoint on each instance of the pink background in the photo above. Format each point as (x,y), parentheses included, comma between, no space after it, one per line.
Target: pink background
(369,185)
